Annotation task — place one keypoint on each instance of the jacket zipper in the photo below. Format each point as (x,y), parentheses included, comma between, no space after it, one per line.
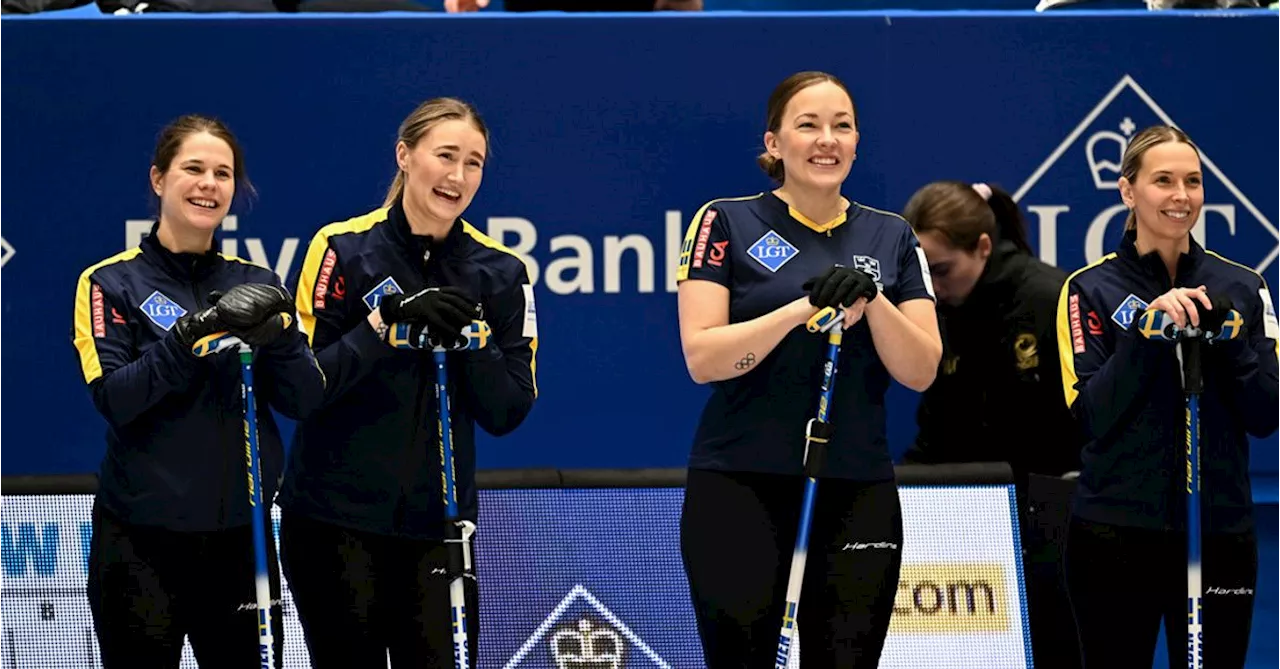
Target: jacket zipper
(215,382)
(419,412)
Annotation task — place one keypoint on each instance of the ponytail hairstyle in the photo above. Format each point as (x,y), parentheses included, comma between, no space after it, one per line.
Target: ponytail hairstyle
(1142,142)
(964,212)
(421,120)
(778,100)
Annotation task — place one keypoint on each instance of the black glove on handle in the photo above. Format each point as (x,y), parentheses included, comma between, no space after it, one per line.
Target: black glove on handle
(250,304)
(445,311)
(1211,320)
(257,313)
(191,328)
(839,287)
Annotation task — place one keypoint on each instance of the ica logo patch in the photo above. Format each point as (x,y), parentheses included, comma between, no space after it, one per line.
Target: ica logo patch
(387,286)
(162,310)
(1128,309)
(772,251)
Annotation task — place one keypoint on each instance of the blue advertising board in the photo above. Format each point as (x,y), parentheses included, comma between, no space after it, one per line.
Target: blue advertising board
(582,578)
(608,132)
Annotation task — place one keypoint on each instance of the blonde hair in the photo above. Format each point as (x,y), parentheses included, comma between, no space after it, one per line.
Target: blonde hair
(1138,147)
(417,124)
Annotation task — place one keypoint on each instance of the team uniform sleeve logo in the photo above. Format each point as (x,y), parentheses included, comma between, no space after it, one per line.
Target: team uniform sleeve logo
(98,309)
(1269,325)
(162,310)
(704,237)
(1077,331)
(705,250)
(530,328)
(925,275)
(387,286)
(326,275)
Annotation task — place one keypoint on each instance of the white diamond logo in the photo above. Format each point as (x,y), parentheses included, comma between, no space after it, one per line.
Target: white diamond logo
(591,636)
(1081,188)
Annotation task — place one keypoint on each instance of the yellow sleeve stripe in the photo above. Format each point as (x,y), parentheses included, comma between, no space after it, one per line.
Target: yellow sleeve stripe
(90,365)
(315,256)
(533,365)
(691,233)
(490,242)
(307,284)
(686,246)
(1066,353)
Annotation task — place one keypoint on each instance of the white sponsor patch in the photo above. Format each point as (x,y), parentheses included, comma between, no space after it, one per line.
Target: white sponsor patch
(924,272)
(530,314)
(1269,326)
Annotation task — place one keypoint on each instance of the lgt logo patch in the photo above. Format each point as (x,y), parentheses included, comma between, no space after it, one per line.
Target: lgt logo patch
(772,251)
(1128,309)
(387,286)
(162,310)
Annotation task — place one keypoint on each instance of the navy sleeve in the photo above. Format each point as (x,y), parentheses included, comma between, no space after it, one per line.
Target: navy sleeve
(704,254)
(1251,386)
(1104,374)
(501,381)
(124,384)
(346,352)
(914,281)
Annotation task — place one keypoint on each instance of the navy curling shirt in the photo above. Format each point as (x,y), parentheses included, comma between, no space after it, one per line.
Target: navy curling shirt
(763,251)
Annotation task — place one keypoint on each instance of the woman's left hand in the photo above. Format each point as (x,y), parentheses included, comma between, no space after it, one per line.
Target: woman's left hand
(854,312)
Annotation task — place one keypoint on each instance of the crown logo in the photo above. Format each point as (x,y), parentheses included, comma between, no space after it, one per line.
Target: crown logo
(587,647)
(1098,165)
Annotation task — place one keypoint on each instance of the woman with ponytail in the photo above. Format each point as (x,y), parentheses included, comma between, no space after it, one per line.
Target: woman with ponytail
(998,396)
(363,531)
(998,392)
(752,271)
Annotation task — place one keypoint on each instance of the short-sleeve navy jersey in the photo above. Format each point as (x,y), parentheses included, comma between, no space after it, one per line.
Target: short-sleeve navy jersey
(763,251)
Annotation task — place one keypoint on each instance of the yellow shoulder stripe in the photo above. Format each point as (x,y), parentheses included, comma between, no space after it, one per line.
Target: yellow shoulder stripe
(315,256)
(90,365)
(691,233)
(1066,352)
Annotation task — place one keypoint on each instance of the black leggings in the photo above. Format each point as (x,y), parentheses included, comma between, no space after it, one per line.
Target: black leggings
(737,534)
(361,595)
(1122,581)
(150,588)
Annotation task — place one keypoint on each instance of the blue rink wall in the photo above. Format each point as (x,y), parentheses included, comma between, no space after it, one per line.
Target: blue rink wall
(608,133)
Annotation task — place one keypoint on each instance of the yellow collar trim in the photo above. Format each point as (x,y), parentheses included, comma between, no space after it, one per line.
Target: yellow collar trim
(815,226)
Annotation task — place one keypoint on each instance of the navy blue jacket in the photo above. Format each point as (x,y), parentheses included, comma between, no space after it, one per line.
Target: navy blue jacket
(175,437)
(370,460)
(1126,391)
